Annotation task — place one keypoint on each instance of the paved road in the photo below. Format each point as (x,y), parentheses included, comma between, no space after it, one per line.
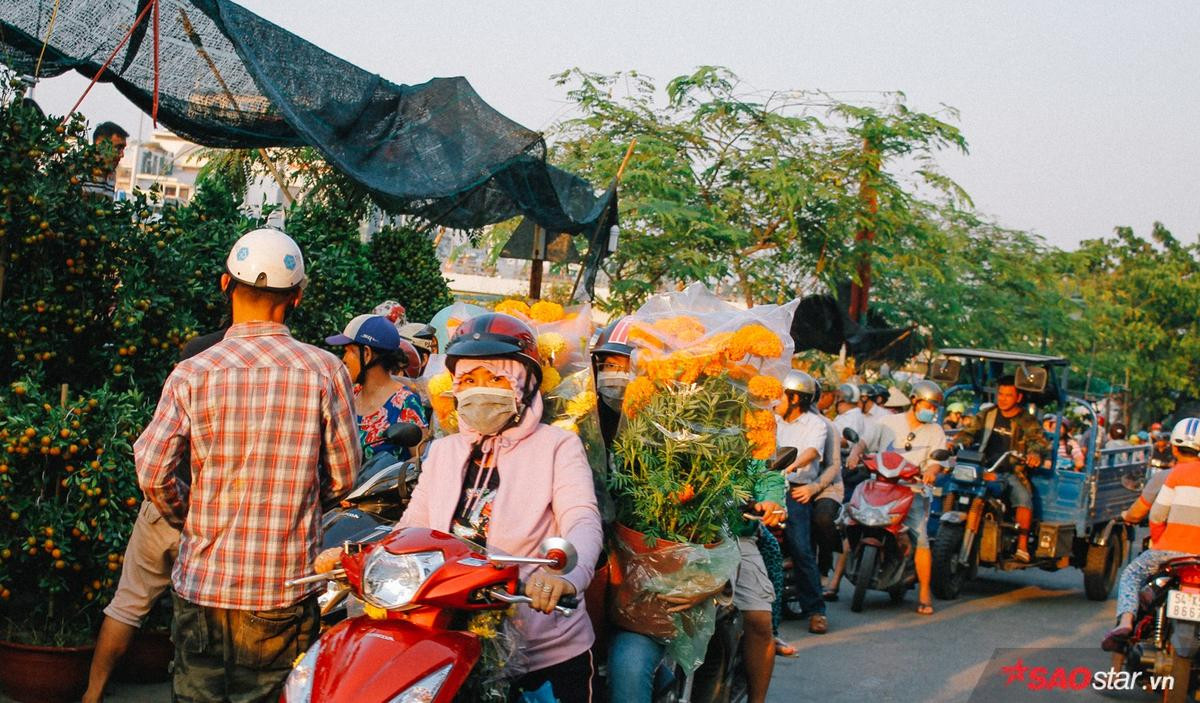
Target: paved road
(889,653)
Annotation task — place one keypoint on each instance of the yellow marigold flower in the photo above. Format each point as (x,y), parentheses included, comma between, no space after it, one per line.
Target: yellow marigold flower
(765,388)
(581,404)
(441,383)
(551,344)
(638,395)
(550,378)
(513,307)
(546,311)
(567,424)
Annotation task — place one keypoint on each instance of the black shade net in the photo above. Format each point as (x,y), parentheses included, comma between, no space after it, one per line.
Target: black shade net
(229,78)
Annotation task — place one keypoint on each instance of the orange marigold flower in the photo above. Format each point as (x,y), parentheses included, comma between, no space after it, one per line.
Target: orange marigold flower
(759,420)
(764,452)
(765,388)
(546,311)
(684,328)
(638,395)
(516,308)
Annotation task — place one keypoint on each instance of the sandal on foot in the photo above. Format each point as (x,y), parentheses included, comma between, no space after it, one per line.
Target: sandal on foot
(783,649)
(830,595)
(925,609)
(818,624)
(1116,638)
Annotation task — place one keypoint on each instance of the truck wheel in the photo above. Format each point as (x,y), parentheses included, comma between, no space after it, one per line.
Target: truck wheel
(1181,671)
(862,578)
(948,575)
(1102,566)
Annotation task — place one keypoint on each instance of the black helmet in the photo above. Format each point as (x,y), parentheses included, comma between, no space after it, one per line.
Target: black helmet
(614,339)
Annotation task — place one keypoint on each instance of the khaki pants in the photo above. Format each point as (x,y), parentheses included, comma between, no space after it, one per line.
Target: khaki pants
(239,656)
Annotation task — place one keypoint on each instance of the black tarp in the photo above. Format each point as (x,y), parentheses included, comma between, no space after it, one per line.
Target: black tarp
(229,78)
(821,322)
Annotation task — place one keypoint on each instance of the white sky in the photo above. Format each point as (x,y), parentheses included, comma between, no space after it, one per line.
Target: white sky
(1080,115)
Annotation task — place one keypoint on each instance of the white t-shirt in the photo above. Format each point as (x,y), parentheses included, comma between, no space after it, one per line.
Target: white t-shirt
(879,412)
(853,419)
(874,435)
(924,439)
(805,432)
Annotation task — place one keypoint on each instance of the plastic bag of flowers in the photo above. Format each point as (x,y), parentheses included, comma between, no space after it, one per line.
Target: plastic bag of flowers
(697,429)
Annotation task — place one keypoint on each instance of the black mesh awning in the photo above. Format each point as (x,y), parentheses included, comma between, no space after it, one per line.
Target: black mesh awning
(228,78)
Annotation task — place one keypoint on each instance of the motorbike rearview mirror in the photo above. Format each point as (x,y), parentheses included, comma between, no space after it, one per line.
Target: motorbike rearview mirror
(1031,379)
(945,370)
(939,454)
(405,434)
(783,458)
(850,435)
(561,552)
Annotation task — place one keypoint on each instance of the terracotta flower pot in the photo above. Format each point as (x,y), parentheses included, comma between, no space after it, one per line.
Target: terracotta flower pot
(32,674)
(632,605)
(148,659)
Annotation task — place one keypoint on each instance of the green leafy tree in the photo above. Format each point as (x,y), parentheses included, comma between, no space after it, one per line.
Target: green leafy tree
(766,192)
(409,271)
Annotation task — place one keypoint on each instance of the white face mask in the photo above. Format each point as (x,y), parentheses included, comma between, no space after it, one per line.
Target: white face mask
(487,410)
(611,387)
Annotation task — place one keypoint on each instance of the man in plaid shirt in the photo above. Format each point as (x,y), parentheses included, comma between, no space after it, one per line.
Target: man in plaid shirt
(270,426)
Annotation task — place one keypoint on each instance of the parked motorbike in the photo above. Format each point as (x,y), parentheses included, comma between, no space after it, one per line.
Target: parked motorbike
(417,581)
(1165,645)
(881,549)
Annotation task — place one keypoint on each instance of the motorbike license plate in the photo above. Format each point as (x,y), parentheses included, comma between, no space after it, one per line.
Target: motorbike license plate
(1183,606)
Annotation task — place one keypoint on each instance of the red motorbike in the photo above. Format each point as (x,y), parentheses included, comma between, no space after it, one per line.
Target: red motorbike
(406,648)
(881,550)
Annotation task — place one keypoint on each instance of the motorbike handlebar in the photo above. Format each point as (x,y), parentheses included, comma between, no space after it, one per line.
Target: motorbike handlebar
(566,603)
(316,578)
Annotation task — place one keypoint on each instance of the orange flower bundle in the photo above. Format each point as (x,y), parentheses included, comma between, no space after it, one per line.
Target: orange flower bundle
(638,395)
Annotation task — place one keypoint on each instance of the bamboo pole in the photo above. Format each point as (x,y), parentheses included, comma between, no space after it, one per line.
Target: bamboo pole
(616,181)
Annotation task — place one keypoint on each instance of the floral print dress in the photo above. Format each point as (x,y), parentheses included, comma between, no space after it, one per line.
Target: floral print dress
(403,406)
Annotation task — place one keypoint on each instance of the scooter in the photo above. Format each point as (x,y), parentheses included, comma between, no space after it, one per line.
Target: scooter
(417,581)
(881,549)
(1165,645)
(367,514)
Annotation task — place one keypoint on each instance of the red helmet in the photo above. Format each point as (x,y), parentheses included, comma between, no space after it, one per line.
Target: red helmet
(495,335)
(412,360)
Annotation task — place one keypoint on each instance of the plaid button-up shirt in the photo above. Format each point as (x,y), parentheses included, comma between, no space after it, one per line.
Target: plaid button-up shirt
(269,422)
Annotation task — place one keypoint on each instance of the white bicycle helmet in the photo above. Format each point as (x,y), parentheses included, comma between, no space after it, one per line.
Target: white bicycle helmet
(1187,434)
(267,258)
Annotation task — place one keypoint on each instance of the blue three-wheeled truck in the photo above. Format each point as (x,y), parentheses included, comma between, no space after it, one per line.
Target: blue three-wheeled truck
(1076,511)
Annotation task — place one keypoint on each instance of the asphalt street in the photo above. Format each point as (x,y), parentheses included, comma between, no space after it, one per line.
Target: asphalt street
(889,653)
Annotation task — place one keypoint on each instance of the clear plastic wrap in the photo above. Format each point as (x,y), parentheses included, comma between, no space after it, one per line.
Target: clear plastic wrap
(647,572)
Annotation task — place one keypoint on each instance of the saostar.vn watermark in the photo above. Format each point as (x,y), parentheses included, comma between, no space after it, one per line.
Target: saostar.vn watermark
(1051,674)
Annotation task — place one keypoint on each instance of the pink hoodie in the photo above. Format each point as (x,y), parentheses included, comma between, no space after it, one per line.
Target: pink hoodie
(545,490)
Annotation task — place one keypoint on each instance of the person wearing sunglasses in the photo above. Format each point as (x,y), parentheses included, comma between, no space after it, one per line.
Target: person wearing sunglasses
(916,433)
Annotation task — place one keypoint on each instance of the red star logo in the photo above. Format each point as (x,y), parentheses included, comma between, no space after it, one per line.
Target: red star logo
(1016,672)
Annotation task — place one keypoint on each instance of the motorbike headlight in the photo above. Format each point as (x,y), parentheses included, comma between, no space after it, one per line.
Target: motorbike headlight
(872,516)
(298,688)
(967,474)
(425,690)
(391,580)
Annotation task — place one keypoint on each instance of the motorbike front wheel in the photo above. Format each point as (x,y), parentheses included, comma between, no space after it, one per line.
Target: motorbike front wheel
(949,576)
(863,576)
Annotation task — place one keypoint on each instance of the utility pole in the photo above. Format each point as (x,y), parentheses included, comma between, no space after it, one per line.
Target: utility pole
(860,291)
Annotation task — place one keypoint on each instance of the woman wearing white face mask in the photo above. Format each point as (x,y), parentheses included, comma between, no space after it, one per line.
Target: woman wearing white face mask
(611,362)
(506,481)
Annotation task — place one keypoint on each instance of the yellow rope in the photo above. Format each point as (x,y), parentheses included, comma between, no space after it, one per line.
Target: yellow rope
(49,30)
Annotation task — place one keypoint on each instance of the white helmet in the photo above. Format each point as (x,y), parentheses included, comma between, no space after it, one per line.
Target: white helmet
(267,258)
(1187,434)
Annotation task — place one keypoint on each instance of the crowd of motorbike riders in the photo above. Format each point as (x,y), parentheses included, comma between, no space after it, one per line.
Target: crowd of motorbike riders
(255,433)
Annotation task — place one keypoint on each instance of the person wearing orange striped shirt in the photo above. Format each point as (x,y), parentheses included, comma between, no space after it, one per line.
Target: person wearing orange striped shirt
(1174,527)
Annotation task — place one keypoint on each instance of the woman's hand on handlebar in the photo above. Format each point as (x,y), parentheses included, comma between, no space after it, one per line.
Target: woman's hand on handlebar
(545,589)
(327,560)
